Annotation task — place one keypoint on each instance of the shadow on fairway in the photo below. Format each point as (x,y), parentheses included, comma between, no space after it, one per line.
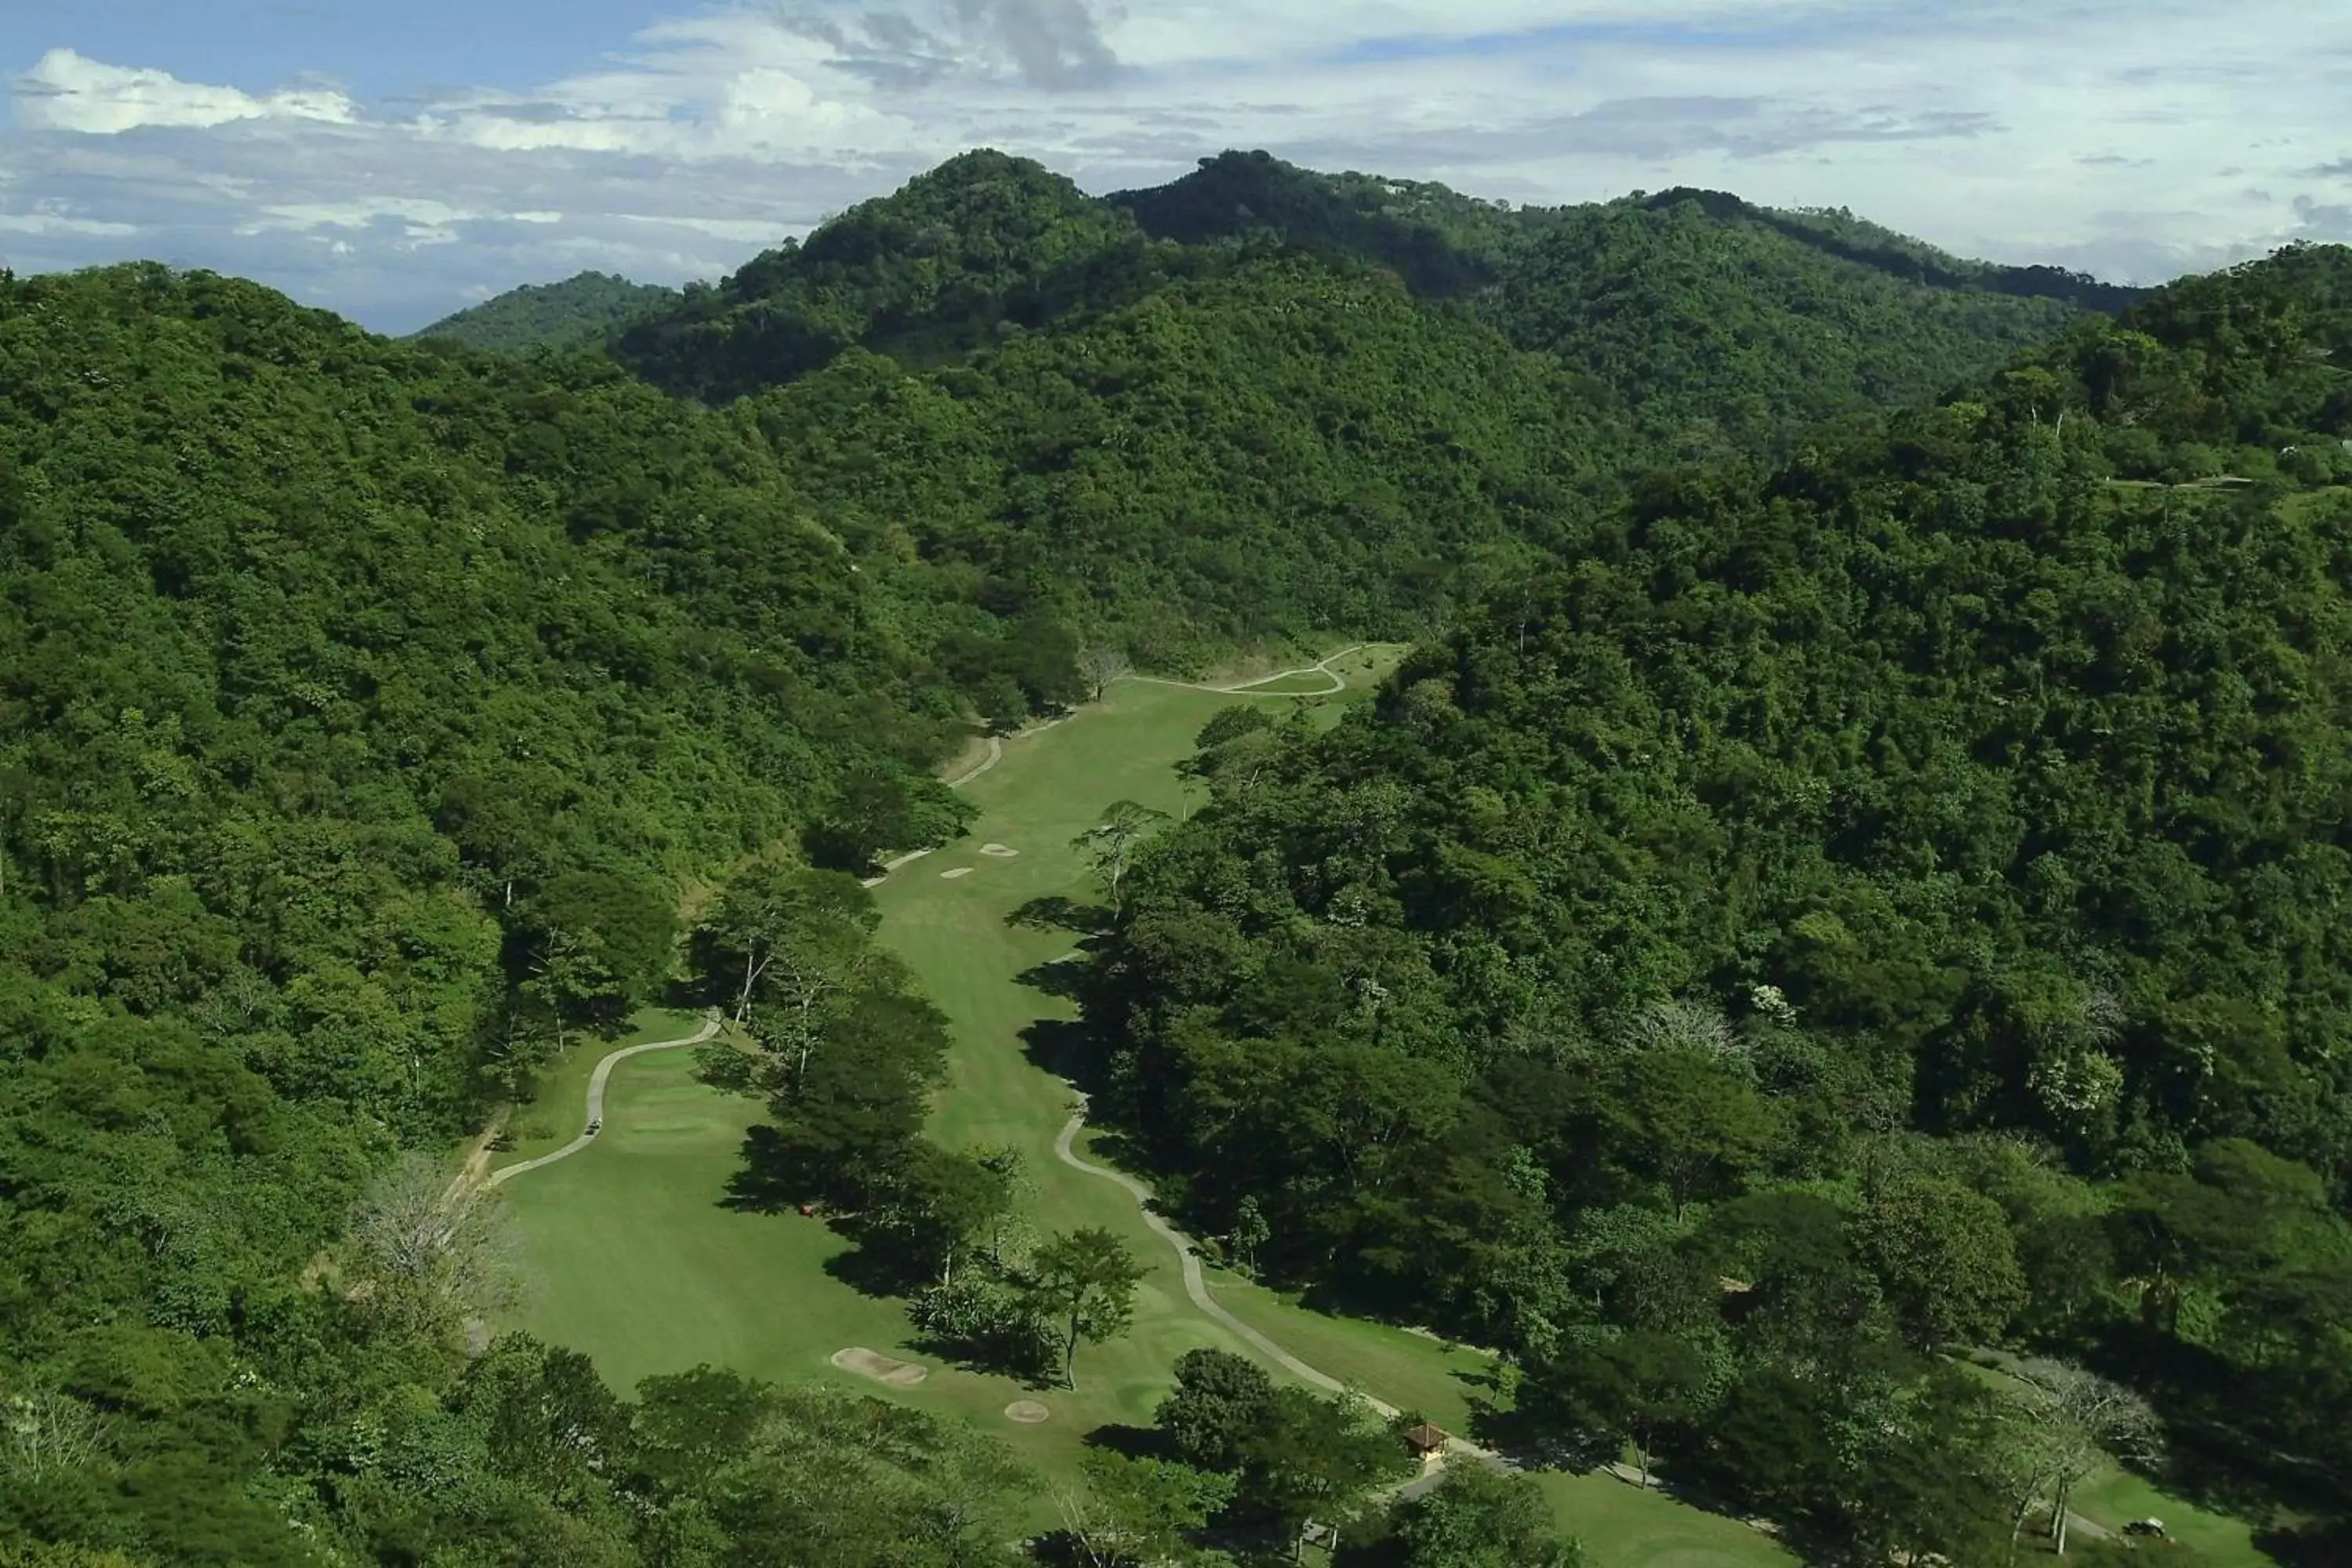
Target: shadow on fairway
(1055,912)
(1065,1048)
(1133,1442)
(768,1181)
(1055,978)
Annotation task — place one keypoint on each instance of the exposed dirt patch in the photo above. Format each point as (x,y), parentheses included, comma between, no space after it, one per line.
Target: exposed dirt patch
(1028,1412)
(880,1368)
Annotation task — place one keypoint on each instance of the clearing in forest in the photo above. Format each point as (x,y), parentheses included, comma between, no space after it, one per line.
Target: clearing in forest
(637,1261)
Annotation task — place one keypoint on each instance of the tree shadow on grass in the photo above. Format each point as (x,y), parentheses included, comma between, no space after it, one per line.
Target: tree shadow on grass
(1055,978)
(1133,1442)
(1065,1048)
(1055,912)
(2323,1544)
(768,1180)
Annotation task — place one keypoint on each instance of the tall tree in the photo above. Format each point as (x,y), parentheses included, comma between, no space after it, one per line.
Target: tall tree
(1480,1517)
(1111,844)
(1084,1282)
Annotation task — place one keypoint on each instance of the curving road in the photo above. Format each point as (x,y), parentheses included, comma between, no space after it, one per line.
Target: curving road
(596,1081)
(1196,1285)
(1321,667)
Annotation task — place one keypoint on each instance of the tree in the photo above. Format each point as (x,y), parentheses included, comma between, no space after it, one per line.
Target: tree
(601,943)
(805,938)
(1219,1400)
(1480,1517)
(1947,1258)
(945,1200)
(1083,1280)
(1109,845)
(1632,1389)
(433,1250)
(1101,665)
(795,931)
(2061,1423)
(1133,1512)
(1312,1459)
(1250,1230)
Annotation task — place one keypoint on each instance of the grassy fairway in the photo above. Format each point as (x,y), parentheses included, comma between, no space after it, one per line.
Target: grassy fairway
(632,1259)
(1622,1526)
(551,1118)
(635,1261)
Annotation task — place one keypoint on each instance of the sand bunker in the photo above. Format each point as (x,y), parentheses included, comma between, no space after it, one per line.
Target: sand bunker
(1002,851)
(1028,1412)
(880,1368)
(952,873)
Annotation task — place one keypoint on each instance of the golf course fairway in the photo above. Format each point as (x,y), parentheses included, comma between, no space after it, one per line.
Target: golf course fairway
(632,1259)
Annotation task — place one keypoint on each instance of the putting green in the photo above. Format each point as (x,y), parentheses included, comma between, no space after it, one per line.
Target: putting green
(633,1260)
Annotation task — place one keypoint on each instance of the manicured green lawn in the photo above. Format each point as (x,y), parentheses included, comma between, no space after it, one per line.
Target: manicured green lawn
(1622,1526)
(2119,1497)
(634,1259)
(550,1119)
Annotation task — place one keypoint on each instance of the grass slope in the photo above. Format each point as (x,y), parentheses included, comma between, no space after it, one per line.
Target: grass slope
(633,1260)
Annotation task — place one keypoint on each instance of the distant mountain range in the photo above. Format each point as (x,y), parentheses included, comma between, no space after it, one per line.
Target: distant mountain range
(1711,323)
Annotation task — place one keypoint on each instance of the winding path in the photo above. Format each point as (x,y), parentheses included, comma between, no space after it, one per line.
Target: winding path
(1196,1284)
(596,1081)
(1321,667)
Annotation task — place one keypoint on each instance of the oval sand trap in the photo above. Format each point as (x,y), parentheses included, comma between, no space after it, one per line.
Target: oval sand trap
(1002,851)
(1028,1412)
(952,873)
(880,1368)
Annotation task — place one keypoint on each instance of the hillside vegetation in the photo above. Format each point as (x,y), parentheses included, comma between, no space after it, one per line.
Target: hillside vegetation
(1909,862)
(1714,326)
(578,313)
(1877,910)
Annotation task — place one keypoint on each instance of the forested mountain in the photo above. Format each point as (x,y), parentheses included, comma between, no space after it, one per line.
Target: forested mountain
(1726,333)
(1956,809)
(1722,327)
(364,707)
(1440,242)
(578,313)
(925,273)
(361,706)
(1881,907)
(1280,446)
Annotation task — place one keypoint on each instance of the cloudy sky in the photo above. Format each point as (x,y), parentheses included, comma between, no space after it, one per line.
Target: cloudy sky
(395,158)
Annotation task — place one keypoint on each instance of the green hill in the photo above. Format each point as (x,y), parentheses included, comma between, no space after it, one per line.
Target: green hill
(1901,884)
(927,272)
(1719,326)
(579,314)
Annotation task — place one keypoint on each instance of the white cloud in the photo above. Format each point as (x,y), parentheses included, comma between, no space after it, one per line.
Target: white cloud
(65,91)
(2132,139)
(63,224)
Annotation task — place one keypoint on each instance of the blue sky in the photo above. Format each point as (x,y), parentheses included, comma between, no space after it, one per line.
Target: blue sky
(396,161)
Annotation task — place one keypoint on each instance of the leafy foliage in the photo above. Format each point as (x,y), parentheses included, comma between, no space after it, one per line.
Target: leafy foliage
(1781,932)
(578,313)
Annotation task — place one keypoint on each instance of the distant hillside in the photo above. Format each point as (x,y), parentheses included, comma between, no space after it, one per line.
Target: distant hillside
(576,313)
(1438,240)
(926,274)
(1722,324)
(1725,330)
(1714,326)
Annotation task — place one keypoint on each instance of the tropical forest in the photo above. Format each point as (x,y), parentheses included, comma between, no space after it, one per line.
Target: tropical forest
(1288,869)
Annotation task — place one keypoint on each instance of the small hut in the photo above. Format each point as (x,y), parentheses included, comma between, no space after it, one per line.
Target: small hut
(1427,1442)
